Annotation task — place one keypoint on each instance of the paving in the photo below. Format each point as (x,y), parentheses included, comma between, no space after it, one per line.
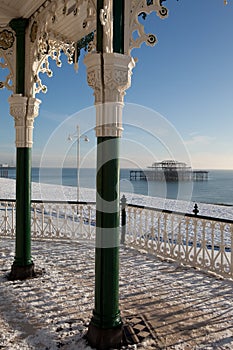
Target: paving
(163,305)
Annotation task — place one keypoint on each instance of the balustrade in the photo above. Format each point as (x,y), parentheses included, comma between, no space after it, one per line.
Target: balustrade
(52,220)
(198,241)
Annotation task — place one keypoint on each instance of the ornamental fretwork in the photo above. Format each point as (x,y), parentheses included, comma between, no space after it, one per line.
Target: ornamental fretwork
(49,34)
(7,58)
(47,43)
(57,27)
(135,33)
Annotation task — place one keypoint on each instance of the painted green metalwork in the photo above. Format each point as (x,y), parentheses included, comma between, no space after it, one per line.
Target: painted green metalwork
(23,161)
(19,26)
(23,208)
(118,26)
(83,44)
(99,27)
(106,313)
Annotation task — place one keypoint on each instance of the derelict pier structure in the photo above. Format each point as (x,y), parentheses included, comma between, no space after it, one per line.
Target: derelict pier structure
(169,170)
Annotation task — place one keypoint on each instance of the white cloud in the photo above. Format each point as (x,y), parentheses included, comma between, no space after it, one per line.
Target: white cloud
(199,140)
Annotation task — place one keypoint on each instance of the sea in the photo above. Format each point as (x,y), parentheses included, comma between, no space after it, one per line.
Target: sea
(218,189)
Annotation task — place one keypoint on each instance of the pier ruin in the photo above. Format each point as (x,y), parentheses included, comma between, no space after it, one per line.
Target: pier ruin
(169,170)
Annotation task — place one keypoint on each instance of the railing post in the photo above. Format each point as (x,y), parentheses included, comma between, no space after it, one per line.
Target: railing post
(195,210)
(123,219)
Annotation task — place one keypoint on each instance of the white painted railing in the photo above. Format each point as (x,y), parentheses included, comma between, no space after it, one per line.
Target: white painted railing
(63,220)
(198,241)
(7,218)
(52,220)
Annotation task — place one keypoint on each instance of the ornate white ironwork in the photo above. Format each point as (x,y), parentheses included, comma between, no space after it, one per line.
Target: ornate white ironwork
(55,220)
(7,57)
(117,76)
(24,110)
(7,218)
(63,221)
(195,241)
(49,49)
(134,31)
(109,81)
(45,40)
(106,19)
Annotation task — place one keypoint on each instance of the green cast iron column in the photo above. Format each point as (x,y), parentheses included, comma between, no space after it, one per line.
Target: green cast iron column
(23,208)
(106,312)
(105,329)
(118,25)
(23,265)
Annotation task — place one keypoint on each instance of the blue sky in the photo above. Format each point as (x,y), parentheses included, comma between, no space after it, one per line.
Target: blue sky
(183,89)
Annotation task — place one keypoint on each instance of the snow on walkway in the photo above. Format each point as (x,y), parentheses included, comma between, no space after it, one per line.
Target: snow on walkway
(184,309)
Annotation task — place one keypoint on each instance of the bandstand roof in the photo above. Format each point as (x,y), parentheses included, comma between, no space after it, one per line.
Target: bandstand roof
(70,19)
(10,9)
(64,26)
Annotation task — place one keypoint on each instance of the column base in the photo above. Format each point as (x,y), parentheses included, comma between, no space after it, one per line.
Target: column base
(21,272)
(103,339)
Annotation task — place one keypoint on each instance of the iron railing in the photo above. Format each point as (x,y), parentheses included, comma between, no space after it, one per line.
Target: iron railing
(199,241)
(52,219)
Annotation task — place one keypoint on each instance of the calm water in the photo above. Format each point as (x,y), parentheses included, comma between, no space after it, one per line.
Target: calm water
(218,189)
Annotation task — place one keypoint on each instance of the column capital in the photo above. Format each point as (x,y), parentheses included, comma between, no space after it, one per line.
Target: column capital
(24,110)
(109,74)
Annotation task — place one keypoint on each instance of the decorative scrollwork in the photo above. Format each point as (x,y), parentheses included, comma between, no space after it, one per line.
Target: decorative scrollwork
(106,19)
(6,39)
(51,48)
(85,43)
(136,32)
(151,39)
(33,33)
(46,42)
(7,57)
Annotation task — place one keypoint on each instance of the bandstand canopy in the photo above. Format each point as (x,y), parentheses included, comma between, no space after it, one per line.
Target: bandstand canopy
(10,9)
(70,19)
(56,26)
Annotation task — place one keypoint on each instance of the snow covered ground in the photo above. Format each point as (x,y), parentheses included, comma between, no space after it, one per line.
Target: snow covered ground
(184,308)
(69,193)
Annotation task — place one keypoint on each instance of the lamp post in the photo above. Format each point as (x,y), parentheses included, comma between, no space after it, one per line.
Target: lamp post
(78,137)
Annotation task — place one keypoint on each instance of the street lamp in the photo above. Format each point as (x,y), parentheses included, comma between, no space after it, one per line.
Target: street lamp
(78,137)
